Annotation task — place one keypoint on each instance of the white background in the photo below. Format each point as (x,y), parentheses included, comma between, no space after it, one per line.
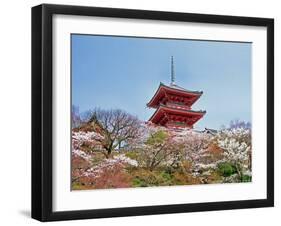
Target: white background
(15,112)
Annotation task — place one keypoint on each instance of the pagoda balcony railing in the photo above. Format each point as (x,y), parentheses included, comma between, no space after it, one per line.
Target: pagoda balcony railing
(178,106)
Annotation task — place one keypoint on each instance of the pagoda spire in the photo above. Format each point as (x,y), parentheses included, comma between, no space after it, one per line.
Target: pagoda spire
(172,72)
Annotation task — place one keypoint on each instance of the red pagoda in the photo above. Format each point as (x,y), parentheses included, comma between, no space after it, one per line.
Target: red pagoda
(173,105)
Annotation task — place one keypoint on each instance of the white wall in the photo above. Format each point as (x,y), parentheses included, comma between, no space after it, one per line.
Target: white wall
(15,111)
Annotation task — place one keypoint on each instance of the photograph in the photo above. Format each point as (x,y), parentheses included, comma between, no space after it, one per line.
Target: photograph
(144,112)
(150,111)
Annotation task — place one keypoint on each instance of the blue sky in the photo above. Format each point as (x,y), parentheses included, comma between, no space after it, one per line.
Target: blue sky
(124,72)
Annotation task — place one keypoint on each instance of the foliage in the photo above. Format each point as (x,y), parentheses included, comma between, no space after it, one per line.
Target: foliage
(113,177)
(147,178)
(156,150)
(132,154)
(246,178)
(143,155)
(226,169)
(236,144)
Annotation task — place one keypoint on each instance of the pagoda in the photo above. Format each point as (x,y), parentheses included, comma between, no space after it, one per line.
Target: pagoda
(173,105)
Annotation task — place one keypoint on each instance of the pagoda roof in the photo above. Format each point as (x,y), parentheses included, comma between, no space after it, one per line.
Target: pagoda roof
(174,86)
(172,89)
(165,109)
(210,131)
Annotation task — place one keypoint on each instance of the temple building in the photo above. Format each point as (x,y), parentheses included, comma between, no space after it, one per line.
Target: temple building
(173,105)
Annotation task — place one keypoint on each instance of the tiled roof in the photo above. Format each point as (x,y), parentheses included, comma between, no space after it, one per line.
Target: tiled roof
(174,109)
(183,110)
(174,86)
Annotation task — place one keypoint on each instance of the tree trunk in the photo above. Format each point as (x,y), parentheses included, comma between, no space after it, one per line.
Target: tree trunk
(239,172)
(107,153)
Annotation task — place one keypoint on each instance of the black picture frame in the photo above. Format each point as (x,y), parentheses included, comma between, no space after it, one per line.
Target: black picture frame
(42,107)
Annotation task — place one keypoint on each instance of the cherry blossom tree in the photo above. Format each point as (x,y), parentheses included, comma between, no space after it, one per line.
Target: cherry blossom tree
(89,174)
(236,144)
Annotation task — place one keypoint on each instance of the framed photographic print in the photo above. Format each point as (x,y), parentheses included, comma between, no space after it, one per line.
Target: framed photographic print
(145,112)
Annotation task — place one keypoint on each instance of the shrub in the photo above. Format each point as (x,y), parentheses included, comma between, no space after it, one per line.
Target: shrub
(166,176)
(212,177)
(147,178)
(132,154)
(226,169)
(186,166)
(138,182)
(97,159)
(246,178)
(180,178)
